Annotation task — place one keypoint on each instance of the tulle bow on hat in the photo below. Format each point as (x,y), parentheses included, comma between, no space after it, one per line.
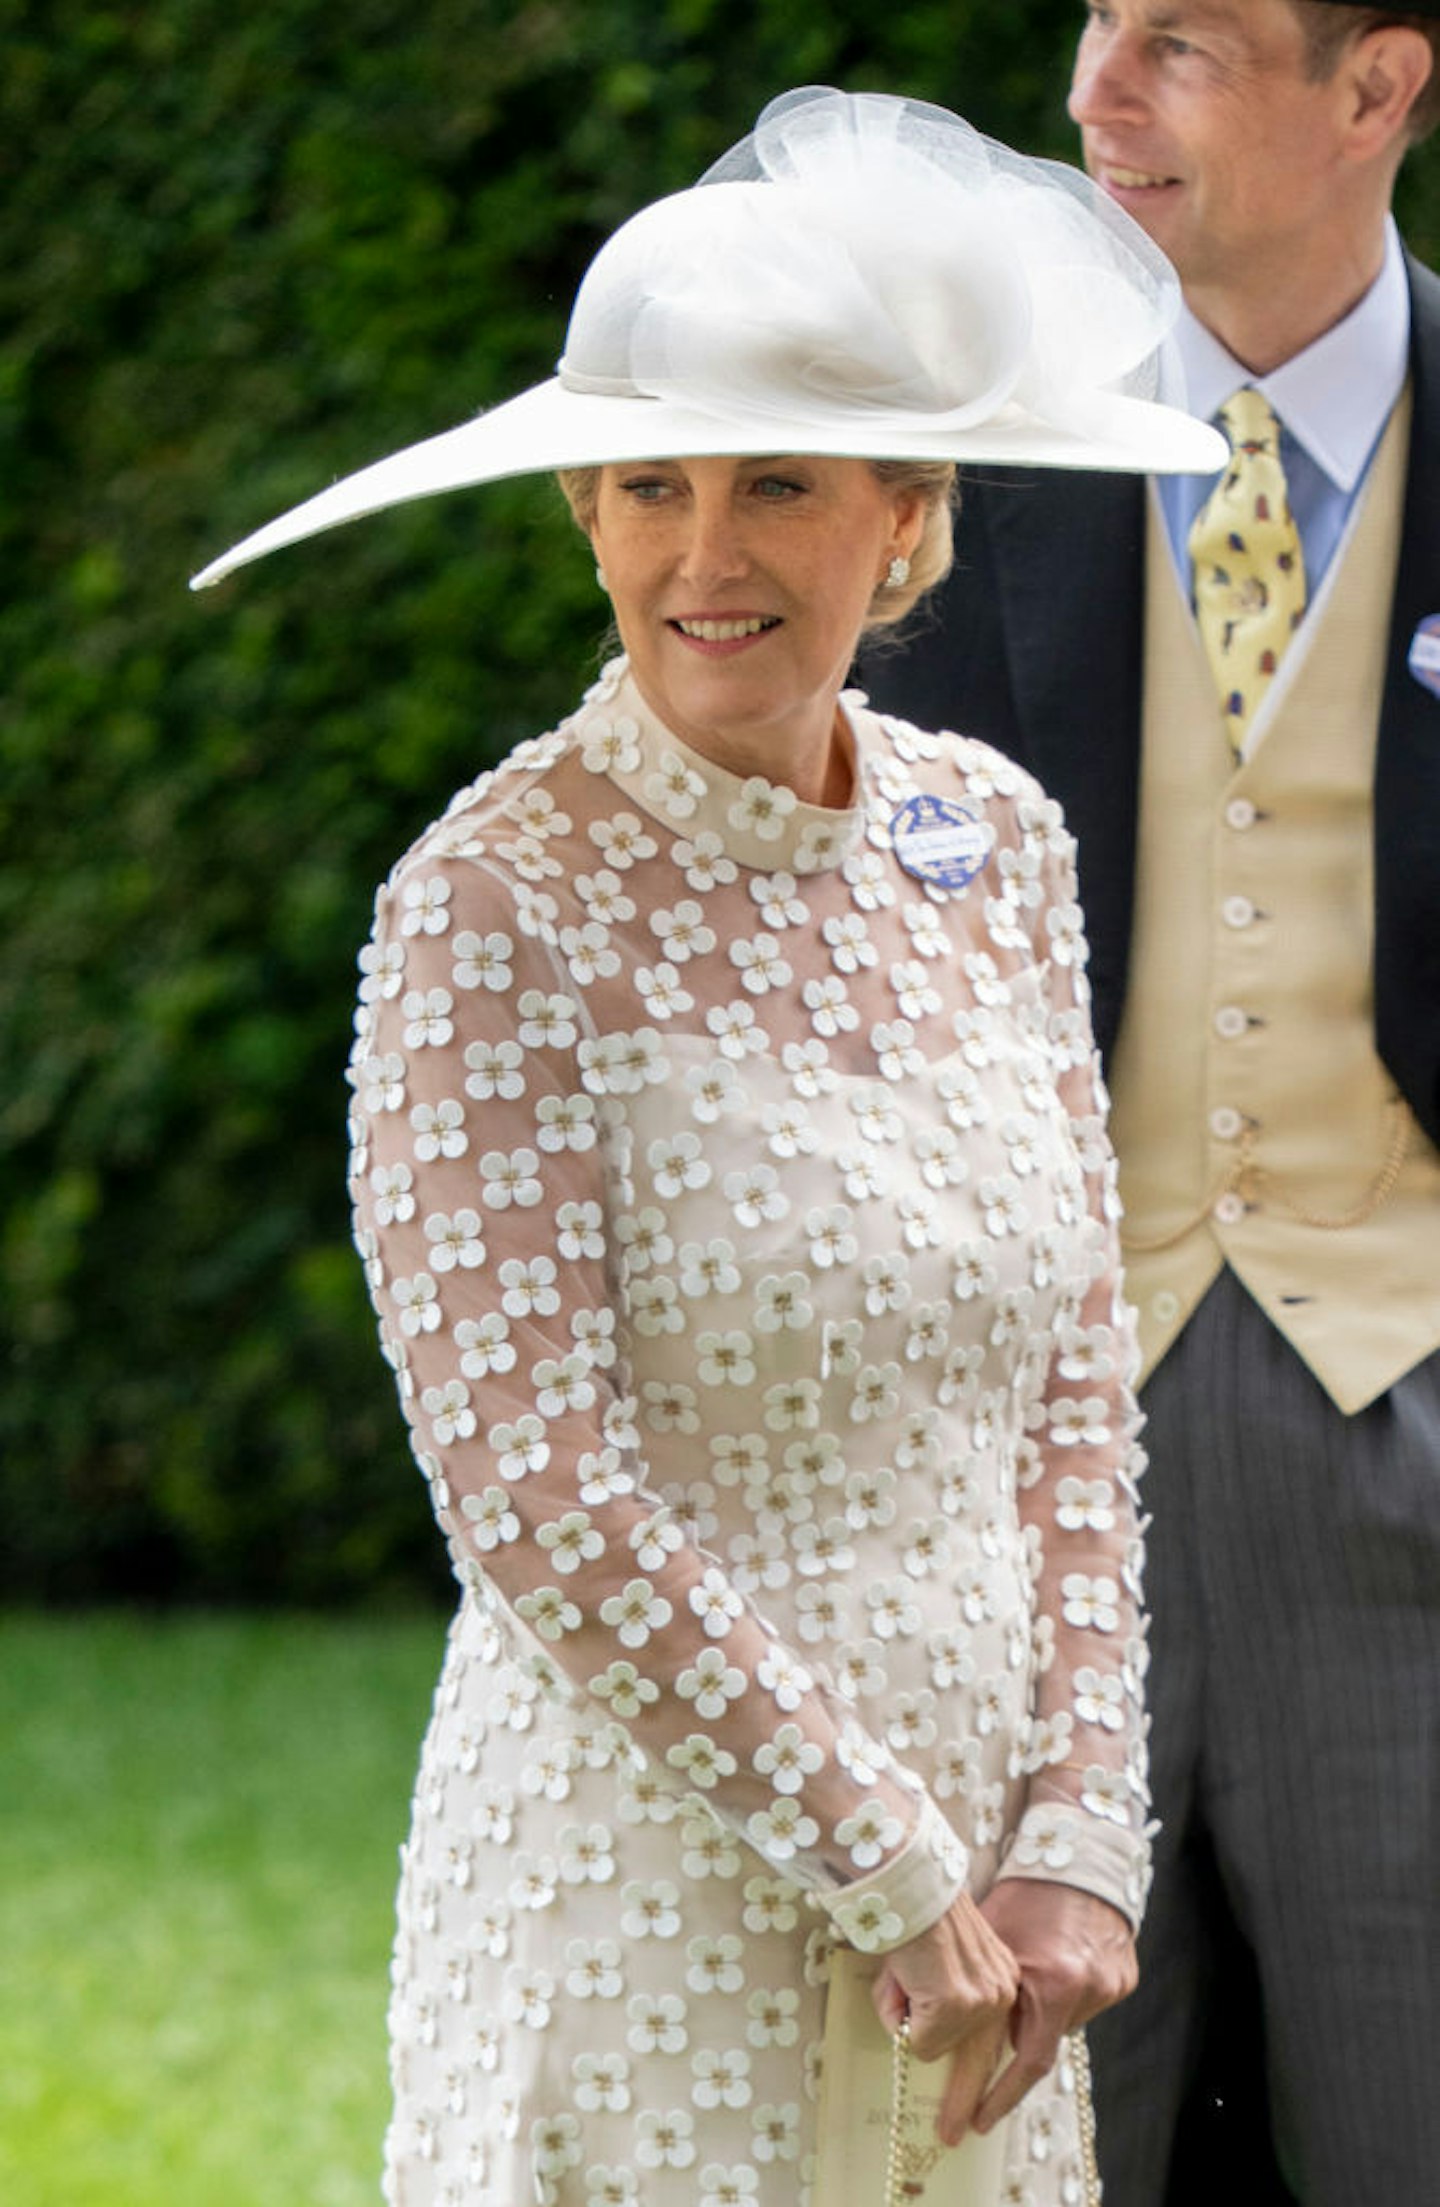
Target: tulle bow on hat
(864,276)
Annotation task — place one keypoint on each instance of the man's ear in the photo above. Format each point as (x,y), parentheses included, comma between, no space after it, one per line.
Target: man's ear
(1386,69)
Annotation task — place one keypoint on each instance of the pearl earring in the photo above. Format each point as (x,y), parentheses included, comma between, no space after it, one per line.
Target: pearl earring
(600,578)
(897,574)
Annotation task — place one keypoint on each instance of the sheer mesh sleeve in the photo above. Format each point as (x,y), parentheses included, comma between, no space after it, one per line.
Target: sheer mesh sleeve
(1084,1821)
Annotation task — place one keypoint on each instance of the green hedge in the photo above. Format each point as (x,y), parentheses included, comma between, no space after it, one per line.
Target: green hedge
(242,250)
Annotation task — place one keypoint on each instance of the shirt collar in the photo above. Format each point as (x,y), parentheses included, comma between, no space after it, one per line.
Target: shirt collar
(1335,396)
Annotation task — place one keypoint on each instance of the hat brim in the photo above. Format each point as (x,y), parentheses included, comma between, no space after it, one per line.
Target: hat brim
(552,426)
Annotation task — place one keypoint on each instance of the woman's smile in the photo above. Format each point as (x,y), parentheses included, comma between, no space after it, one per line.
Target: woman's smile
(719,628)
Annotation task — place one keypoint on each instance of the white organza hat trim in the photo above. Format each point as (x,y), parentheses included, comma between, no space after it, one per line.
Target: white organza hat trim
(864,276)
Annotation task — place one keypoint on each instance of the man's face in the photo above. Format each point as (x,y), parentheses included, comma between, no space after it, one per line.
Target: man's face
(1197,117)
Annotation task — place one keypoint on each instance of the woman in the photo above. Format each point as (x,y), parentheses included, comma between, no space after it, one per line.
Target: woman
(731,1179)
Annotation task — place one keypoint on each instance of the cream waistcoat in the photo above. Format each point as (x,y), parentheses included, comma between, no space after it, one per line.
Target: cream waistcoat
(1255,1124)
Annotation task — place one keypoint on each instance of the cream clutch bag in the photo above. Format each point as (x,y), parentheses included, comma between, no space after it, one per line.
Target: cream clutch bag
(876,2140)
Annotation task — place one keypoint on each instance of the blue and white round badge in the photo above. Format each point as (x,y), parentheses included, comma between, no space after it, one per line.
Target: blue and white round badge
(937,840)
(1425,653)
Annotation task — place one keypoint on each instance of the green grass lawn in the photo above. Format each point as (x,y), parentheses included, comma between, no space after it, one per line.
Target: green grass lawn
(198,1828)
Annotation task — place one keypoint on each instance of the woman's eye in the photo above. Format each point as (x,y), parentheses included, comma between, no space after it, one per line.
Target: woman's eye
(777,486)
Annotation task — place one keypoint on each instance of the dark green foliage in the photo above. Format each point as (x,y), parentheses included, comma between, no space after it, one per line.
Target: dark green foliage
(242,250)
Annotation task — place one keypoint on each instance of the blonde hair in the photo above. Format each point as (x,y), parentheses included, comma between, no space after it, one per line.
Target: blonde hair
(932,480)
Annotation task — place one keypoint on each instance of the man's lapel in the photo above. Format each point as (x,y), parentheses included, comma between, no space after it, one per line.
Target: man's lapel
(1069,553)
(1407,773)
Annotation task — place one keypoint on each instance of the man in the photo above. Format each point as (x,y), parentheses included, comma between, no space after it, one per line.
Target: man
(1260,866)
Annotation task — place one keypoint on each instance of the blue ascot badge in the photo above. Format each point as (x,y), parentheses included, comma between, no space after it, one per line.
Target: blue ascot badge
(1425,653)
(938,840)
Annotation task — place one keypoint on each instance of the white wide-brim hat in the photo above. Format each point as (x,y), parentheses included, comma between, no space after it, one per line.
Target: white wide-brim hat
(864,277)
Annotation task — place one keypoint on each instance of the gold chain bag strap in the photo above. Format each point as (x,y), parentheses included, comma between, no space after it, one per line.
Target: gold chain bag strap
(876,2140)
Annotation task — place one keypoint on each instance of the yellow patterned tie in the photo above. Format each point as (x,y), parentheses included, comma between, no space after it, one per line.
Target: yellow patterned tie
(1248,566)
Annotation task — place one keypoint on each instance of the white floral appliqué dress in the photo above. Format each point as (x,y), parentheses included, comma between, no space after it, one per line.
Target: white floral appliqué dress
(739,1215)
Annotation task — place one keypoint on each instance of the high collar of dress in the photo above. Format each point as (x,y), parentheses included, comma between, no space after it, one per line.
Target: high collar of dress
(748,819)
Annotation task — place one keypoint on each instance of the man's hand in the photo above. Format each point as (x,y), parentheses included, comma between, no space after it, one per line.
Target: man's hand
(1075,1956)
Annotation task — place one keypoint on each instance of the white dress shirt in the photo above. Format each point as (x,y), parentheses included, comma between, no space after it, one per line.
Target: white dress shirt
(1332,401)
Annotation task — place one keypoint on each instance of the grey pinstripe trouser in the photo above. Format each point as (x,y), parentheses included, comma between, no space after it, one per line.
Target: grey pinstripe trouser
(1294,1586)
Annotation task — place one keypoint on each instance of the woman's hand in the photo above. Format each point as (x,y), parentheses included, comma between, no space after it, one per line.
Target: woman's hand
(958,1981)
(1075,1956)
